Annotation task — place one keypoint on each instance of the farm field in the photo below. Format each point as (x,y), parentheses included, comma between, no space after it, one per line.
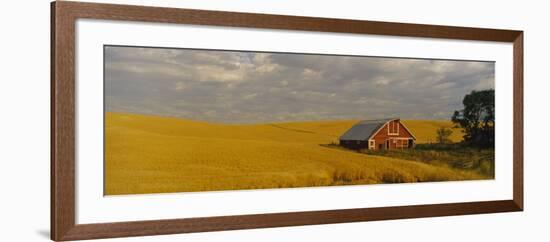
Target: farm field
(424,130)
(153,154)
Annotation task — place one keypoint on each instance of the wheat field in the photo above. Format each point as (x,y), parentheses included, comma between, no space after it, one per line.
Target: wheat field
(424,130)
(152,154)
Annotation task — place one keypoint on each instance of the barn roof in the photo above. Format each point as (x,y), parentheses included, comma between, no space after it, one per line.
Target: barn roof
(363,130)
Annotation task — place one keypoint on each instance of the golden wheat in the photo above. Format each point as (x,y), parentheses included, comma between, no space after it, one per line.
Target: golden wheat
(149,154)
(425,130)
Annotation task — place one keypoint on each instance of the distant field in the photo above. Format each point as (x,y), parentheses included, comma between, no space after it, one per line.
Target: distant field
(424,130)
(150,154)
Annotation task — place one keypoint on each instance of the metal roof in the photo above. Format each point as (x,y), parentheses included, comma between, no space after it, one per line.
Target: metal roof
(363,130)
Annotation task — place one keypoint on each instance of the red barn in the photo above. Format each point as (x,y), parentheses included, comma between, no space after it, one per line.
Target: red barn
(379,134)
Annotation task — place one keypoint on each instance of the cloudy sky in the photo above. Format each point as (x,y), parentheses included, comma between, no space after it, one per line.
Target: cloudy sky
(252,87)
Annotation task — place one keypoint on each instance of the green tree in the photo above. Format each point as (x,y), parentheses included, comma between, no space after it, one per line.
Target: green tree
(443,135)
(477,118)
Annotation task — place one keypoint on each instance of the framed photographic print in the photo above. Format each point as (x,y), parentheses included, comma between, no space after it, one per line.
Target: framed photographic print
(172,120)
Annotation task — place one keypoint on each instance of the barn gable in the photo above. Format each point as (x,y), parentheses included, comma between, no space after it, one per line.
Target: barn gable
(394,127)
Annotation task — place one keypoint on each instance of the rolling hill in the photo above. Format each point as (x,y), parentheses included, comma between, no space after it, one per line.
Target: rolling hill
(152,154)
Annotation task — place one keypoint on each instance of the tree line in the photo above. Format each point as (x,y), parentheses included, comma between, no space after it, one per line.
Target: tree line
(477,119)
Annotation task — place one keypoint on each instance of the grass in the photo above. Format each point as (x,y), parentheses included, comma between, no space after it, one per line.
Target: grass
(151,154)
(481,161)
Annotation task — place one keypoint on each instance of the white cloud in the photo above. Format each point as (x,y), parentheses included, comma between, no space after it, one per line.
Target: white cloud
(180,86)
(250,96)
(220,85)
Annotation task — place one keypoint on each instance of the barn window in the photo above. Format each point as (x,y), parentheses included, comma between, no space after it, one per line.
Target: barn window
(402,143)
(371,144)
(393,127)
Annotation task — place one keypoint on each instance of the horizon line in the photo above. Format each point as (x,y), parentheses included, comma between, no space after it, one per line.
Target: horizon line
(273,122)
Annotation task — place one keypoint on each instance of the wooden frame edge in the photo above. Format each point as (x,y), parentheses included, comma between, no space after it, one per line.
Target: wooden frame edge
(63,17)
(207,224)
(62,123)
(518,120)
(53,183)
